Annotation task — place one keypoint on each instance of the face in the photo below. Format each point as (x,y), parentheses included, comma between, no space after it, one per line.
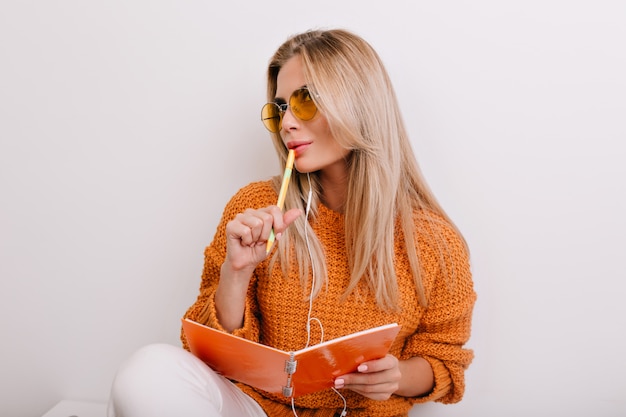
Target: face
(316,148)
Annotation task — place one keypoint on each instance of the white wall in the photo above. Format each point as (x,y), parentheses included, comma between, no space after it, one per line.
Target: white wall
(126,125)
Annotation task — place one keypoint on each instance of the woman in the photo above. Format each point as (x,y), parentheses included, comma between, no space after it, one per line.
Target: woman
(362,242)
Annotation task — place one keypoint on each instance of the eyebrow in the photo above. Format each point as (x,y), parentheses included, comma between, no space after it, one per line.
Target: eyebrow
(279,100)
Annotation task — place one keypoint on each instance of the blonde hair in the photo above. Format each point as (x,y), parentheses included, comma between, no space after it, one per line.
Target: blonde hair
(351,87)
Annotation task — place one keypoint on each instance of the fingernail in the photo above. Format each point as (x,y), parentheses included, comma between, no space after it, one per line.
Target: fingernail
(278,235)
(339,383)
(362,368)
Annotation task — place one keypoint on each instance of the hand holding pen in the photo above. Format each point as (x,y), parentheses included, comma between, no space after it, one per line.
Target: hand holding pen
(250,234)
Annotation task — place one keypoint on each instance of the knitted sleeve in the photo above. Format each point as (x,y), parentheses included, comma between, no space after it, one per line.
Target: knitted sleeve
(255,195)
(445,326)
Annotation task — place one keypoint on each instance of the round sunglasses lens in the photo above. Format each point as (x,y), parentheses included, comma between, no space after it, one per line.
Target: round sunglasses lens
(270,115)
(302,105)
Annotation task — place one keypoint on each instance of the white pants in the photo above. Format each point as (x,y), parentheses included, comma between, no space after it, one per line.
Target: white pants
(164,381)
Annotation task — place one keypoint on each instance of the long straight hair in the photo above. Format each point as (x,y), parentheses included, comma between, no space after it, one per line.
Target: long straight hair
(351,87)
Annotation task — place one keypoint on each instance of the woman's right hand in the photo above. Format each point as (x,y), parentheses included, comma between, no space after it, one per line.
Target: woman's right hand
(247,235)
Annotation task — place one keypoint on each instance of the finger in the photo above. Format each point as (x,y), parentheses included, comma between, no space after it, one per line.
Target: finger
(362,379)
(263,231)
(381,393)
(282,220)
(377,386)
(379,365)
(252,226)
(291,215)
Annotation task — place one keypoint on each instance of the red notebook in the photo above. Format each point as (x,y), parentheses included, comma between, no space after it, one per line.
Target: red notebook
(288,373)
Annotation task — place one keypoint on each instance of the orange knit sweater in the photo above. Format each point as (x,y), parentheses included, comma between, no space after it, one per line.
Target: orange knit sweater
(276,309)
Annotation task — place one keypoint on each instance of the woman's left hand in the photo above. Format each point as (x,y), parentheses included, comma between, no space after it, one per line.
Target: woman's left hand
(376,379)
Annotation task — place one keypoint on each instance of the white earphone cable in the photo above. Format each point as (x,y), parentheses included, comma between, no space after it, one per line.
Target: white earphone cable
(344,412)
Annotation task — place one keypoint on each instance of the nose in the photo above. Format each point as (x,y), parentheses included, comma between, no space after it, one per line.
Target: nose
(290,121)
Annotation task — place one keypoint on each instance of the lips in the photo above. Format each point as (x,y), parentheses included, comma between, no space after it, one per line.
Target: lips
(298,146)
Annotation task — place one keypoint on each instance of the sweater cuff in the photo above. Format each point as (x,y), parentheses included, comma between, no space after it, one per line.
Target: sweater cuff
(249,330)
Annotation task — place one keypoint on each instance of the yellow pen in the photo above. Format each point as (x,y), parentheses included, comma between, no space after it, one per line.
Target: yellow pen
(283,192)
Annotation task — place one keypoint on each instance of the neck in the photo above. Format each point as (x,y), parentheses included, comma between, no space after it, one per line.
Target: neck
(334,191)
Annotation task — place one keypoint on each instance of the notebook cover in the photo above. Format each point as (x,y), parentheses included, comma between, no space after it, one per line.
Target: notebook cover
(264,367)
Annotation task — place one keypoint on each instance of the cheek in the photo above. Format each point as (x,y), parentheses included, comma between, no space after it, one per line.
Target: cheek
(320,122)
(322,129)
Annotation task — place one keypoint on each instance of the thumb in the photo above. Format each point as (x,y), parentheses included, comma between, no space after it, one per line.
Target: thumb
(291,215)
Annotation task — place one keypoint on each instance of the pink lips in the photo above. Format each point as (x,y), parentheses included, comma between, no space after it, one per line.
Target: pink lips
(298,146)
